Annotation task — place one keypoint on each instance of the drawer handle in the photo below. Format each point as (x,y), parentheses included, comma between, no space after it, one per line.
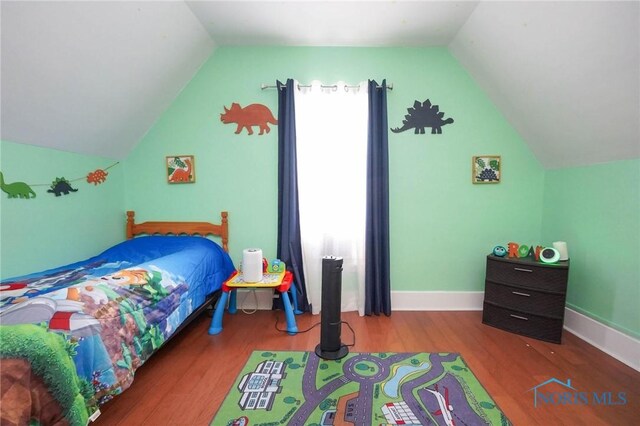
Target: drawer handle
(521,294)
(523,270)
(519,317)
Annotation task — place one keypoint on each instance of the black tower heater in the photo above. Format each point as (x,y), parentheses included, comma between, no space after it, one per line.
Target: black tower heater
(330,346)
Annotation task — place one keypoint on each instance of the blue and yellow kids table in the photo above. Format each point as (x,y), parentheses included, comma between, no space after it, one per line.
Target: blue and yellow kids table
(281,281)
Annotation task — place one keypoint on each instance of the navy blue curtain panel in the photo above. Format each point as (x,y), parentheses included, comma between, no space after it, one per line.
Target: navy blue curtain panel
(289,244)
(377,269)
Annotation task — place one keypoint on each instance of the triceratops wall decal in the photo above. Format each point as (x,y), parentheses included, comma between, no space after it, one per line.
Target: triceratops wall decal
(251,115)
(423,115)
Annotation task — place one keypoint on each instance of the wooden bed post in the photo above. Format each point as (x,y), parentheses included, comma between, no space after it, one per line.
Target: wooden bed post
(225,231)
(130,222)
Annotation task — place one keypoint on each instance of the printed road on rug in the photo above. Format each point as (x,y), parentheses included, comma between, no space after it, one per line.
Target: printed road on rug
(298,388)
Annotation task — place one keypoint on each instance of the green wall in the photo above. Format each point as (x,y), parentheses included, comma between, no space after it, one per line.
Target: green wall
(49,231)
(441,224)
(596,210)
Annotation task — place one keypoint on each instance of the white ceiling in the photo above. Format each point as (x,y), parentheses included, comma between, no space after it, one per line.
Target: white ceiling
(565,74)
(333,23)
(92,77)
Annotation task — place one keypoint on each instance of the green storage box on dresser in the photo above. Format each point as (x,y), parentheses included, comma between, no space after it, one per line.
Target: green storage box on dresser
(526,297)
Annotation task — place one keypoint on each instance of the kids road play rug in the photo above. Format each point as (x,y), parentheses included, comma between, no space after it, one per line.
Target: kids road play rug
(298,388)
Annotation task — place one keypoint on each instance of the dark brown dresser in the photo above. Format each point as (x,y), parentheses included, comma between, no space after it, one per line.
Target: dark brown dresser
(526,297)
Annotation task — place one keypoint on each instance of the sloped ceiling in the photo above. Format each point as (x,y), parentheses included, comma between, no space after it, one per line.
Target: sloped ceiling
(92,77)
(565,74)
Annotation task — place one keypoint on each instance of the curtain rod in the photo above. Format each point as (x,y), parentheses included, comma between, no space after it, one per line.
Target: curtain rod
(334,87)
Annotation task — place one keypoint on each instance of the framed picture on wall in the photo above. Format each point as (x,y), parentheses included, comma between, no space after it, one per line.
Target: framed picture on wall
(181,169)
(486,169)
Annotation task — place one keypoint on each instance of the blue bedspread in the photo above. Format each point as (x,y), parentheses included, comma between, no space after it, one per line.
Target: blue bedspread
(83,329)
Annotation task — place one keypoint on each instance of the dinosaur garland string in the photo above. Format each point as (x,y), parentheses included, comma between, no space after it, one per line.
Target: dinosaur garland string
(58,187)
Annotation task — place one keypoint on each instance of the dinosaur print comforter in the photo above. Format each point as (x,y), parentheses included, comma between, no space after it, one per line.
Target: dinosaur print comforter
(71,338)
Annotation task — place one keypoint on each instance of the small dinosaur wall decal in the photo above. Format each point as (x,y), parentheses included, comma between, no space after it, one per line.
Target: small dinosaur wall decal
(16,189)
(251,115)
(97,177)
(423,115)
(61,186)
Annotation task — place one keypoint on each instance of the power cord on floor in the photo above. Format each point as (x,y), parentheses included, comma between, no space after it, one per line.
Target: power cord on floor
(284,330)
(353,333)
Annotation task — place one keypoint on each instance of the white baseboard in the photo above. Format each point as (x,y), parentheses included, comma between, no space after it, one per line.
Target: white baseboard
(621,346)
(437,300)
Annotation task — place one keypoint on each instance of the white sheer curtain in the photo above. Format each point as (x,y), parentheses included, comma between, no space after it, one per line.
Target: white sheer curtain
(331,139)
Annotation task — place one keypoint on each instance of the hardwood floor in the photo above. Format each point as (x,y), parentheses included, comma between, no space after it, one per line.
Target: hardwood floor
(187,380)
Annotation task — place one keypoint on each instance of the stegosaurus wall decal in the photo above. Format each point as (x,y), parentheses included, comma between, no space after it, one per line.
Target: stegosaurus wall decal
(421,115)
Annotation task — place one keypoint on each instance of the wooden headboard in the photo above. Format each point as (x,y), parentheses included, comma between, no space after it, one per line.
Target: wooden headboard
(177,228)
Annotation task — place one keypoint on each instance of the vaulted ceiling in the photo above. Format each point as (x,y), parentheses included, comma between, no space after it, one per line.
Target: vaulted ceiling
(93,77)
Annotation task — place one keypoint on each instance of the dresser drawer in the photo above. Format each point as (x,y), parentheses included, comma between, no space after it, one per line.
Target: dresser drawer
(543,328)
(528,275)
(536,302)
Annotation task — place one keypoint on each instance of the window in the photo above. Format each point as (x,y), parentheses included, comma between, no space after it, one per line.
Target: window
(331,140)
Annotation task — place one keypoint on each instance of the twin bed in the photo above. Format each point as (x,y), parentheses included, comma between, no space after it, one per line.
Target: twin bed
(72,337)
